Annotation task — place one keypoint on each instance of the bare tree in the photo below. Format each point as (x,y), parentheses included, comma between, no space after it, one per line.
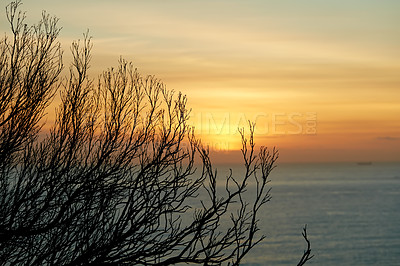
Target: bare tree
(114,181)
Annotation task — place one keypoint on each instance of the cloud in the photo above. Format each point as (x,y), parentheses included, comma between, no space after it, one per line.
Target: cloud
(388,138)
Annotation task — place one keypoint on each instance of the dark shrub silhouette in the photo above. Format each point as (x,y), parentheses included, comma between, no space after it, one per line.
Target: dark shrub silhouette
(114,180)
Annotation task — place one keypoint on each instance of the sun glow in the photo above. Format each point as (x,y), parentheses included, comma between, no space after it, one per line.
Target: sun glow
(320,81)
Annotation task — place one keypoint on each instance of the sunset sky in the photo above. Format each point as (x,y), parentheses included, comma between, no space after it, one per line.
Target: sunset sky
(320,78)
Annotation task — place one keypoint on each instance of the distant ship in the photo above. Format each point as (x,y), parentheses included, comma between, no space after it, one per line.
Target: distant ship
(364,163)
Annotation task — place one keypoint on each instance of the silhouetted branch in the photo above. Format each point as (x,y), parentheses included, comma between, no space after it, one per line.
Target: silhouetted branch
(307,253)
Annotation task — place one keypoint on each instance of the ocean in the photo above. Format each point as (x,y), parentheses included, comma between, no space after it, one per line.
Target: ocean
(352,214)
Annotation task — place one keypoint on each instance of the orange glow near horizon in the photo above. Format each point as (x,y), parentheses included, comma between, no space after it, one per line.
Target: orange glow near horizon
(321,81)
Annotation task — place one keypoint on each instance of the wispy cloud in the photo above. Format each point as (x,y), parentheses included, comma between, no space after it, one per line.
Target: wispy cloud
(388,138)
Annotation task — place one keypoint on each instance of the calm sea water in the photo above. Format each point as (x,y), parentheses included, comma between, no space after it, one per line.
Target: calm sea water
(352,214)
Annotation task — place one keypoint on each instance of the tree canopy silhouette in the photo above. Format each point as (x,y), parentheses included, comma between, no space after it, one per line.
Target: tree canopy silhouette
(114,180)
